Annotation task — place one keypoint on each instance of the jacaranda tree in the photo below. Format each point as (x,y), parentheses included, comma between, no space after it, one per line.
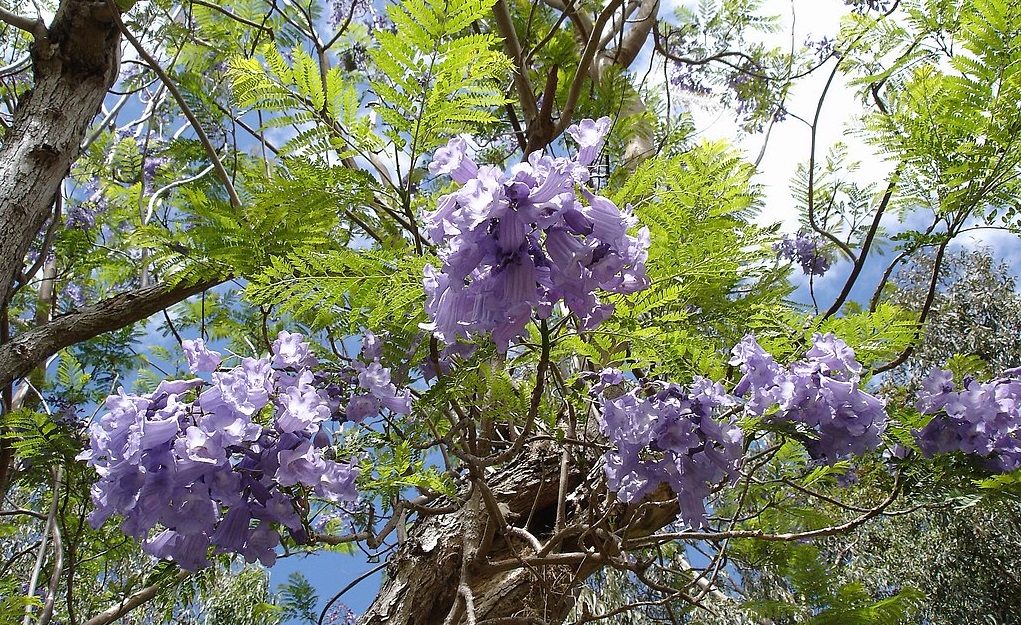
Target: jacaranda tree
(457,283)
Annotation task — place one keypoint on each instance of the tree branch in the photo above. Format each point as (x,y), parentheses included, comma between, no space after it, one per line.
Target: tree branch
(522,84)
(924,314)
(35,27)
(71,75)
(111,614)
(583,66)
(237,18)
(26,350)
(859,261)
(634,40)
(221,171)
(581,21)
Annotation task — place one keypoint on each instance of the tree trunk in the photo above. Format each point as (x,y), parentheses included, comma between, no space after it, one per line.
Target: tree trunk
(74,63)
(463,568)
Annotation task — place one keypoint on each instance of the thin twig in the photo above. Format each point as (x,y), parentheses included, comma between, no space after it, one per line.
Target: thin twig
(355,582)
(859,262)
(221,171)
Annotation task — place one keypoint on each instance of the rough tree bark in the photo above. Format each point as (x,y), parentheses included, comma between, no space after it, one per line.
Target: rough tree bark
(29,349)
(75,61)
(466,566)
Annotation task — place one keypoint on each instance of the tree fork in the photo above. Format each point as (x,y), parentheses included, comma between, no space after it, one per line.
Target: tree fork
(464,568)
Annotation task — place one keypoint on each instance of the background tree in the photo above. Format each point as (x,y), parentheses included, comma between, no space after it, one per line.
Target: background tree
(949,547)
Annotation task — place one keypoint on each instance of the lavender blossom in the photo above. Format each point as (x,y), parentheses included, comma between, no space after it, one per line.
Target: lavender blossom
(514,244)
(372,347)
(290,350)
(980,419)
(672,437)
(452,161)
(205,470)
(200,358)
(820,393)
(343,10)
(74,292)
(80,215)
(805,250)
(589,135)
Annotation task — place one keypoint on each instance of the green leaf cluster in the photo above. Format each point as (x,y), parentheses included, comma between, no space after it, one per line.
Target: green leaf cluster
(949,112)
(434,80)
(710,269)
(352,287)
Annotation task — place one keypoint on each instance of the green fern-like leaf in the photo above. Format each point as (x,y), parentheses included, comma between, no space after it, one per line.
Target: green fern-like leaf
(357,287)
(436,81)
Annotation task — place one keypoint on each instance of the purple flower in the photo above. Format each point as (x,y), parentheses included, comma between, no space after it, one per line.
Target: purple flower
(303,465)
(200,358)
(823,48)
(201,446)
(244,389)
(763,377)
(261,545)
(833,357)
(337,482)
(80,215)
(343,10)
(232,532)
(937,389)
(820,392)
(805,250)
(73,291)
(203,470)
(290,350)
(671,438)
(302,409)
(981,419)
(513,245)
(361,406)
(452,161)
(606,378)
(589,135)
(150,166)
(375,378)
(372,348)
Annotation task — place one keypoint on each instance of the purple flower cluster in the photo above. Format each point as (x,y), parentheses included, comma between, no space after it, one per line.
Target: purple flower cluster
(805,250)
(375,378)
(514,244)
(742,85)
(220,464)
(980,419)
(820,394)
(673,438)
(823,48)
(150,166)
(80,215)
(863,6)
(687,77)
(74,292)
(342,11)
